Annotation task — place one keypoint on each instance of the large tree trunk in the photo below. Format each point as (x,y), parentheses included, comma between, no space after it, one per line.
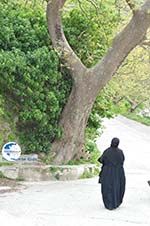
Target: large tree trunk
(73,121)
(88,82)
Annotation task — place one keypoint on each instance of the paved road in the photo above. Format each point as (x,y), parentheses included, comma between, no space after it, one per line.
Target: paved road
(78,203)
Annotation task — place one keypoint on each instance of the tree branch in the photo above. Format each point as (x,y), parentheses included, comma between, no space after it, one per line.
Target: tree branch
(54,8)
(122,45)
(146,43)
(131,5)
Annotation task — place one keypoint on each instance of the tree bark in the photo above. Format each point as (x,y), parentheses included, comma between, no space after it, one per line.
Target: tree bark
(73,121)
(88,82)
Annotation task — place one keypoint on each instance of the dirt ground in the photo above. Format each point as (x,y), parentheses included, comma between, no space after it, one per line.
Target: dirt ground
(7,185)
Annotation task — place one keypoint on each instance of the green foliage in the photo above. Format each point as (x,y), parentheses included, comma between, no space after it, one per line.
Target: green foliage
(86,175)
(19,178)
(2,175)
(142,119)
(104,105)
(89,28)
(4,163)
(22,27)
(93,151)
(90,173)
(31,80)
(130,88)
(7,126)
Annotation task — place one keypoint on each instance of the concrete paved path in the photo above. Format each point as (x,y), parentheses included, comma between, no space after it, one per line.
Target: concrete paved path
(79,203)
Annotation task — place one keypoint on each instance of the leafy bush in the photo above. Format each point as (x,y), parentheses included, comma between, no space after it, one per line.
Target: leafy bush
(31,80)
(7,126)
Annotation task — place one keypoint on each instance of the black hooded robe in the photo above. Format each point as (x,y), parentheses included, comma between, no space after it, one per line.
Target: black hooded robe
(112,177)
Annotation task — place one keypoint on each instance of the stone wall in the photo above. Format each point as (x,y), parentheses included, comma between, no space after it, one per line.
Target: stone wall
(40,172)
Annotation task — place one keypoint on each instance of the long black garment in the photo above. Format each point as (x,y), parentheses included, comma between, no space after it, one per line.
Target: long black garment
(112,177)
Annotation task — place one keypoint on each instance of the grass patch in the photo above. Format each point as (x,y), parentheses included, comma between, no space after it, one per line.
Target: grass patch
(53,169)
(77,162)
(142,119)
(86,175)
(90,173)
(20,179)
(6,164)
(2,175)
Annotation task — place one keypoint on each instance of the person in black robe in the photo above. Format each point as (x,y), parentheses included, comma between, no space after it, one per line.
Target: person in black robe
(112,175)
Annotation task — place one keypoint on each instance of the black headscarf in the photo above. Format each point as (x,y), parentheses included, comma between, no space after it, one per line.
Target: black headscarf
(113,154)
(115,142)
